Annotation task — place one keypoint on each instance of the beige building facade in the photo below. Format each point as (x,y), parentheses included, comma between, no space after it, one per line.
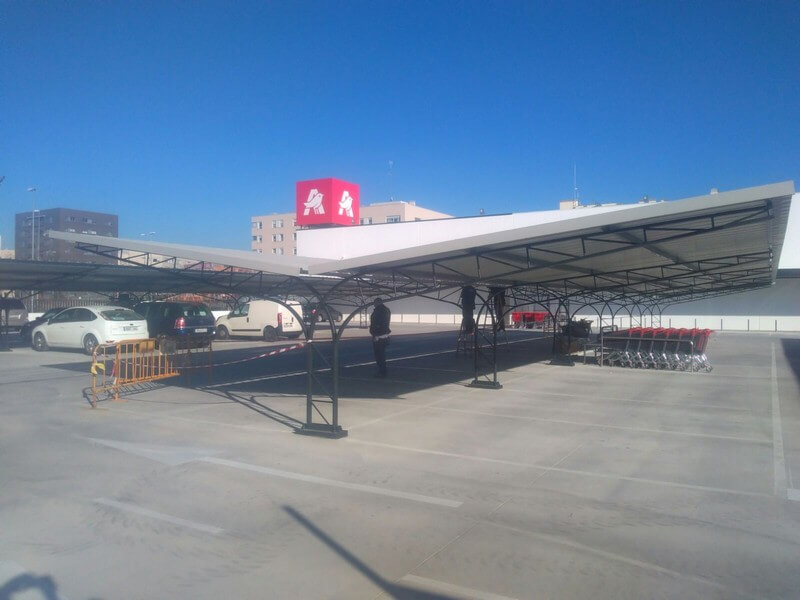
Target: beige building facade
(277,233)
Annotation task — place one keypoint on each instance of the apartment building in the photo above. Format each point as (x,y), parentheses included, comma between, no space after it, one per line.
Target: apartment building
(30,242)
(277,233)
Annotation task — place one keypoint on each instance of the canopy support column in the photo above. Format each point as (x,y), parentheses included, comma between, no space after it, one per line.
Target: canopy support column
(328,426)
(485,348)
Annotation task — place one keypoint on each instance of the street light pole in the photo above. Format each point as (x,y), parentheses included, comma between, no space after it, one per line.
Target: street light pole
(32,190)
(144,236)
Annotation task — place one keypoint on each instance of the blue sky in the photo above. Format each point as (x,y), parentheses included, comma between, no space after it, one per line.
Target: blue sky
(185,118)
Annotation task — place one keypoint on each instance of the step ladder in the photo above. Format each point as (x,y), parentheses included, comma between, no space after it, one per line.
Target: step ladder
(465,342)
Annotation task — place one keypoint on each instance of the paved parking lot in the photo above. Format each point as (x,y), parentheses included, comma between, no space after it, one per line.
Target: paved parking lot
(570,482)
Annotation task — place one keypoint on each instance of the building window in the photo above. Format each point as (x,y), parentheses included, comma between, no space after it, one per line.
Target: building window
(258,225)
(294,222)
(280,250)
(294,236)
(88,220)
(277,223)
(71,219)
(393,219)
(277,237)
(257,238)
(294,250)
(277,250)
(366,220)
(71,229)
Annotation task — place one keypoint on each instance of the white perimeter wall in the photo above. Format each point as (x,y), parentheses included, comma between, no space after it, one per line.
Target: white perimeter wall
(776,308)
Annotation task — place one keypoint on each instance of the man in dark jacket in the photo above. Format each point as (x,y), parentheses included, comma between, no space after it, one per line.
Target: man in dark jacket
(379,330)
(467,303)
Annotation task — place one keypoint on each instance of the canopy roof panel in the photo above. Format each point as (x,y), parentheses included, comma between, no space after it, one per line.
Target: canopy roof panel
(666,251)
(283,265)
(751,219)
(90,277)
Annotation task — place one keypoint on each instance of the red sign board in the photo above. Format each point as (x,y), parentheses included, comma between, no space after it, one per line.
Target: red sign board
(327,202)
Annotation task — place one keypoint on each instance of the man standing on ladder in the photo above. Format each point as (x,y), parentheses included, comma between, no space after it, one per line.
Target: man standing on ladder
(499,296)
(467,307)
(379,330)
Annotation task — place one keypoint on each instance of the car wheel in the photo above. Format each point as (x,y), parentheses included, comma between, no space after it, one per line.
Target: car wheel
(89,344)
(39,343)
(270,335)
(222,333)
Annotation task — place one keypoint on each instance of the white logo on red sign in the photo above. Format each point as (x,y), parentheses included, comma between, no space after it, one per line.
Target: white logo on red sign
(314,203)
(346,204)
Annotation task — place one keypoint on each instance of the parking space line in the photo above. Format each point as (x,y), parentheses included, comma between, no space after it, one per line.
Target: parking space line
(256,379)
(173,417)
(349,366)
(611,476)
(138,510)
(778,459)
(604,426)
(592,398)
(432,585)
(554,539)
(331,482)
(400,412)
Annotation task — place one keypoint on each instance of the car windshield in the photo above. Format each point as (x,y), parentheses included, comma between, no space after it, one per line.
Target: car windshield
(193,310)
(120,314)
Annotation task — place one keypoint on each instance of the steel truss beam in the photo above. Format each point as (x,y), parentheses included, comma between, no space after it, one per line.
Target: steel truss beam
(634,236)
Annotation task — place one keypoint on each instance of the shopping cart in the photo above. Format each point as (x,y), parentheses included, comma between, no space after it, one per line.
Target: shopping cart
(658,348)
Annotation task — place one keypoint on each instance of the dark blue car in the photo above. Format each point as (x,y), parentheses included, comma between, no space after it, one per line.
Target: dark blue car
(185,324)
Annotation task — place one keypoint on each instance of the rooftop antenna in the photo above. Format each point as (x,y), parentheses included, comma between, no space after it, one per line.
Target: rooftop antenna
(391,194)
(575,183)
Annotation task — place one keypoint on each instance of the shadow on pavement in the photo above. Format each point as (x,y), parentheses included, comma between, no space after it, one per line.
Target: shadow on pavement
(254,404)
(25,583)
(791,350)
(416,362)
(391,589)
(407,374)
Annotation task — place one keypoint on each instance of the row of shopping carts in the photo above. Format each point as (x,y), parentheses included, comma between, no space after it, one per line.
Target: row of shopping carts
(658,348)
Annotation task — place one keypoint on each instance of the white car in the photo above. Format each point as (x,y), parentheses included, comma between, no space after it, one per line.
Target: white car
(87,326)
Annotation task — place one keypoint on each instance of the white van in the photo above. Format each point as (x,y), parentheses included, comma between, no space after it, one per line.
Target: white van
(261,318)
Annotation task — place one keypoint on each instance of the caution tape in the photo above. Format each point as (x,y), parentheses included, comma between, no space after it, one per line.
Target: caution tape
(248,359)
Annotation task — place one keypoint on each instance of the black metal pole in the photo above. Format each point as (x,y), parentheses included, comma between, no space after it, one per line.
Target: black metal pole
(494,352)
(309,380)
(335,394)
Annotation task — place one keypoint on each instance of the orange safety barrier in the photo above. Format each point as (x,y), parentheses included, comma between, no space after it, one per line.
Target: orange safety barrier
(131,362)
